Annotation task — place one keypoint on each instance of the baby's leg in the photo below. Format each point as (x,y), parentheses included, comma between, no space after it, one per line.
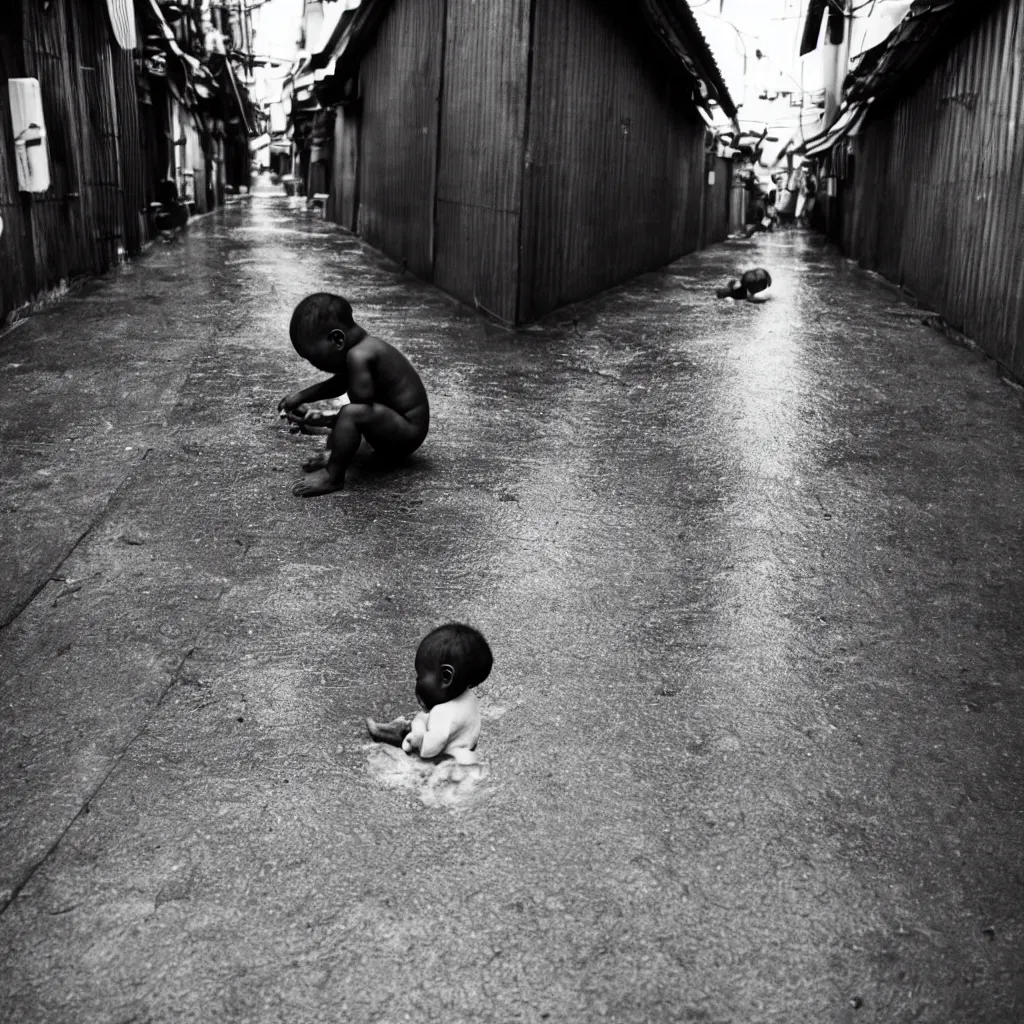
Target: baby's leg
(318,461)
(393,434)
(389,732)
(328,474)
(390,433)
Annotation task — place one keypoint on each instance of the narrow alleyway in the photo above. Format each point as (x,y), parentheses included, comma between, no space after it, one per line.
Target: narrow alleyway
(754,584)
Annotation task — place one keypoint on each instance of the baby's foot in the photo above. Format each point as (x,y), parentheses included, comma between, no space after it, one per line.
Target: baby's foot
(389,732)
(315,462)
(318,482)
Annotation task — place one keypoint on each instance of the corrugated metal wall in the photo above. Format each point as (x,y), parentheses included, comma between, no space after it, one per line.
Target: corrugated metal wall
(686,185)
(614,166)
(344,188)
(132,156)
(61,227)
(400,80)
(547,170)
(717,198)
(90,215)
(17,264)
(935,201)
(99,137)
(479,179)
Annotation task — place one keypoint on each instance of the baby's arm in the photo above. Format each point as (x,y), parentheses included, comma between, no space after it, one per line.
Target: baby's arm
(333,387)
(415,738)
(429,735)
(360,378)
(436,738)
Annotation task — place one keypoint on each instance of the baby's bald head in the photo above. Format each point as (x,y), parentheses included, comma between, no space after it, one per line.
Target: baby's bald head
(317,315)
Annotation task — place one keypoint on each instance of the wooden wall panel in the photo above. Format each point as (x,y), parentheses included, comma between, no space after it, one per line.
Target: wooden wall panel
(17,265)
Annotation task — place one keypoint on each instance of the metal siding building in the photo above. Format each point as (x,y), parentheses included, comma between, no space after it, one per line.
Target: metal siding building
(717,203)
(522,154)
(931,193)
(479,174)
(400,83)
(91,216)
(614,152)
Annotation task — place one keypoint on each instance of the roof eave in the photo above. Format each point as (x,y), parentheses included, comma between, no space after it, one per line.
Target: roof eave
(673,22)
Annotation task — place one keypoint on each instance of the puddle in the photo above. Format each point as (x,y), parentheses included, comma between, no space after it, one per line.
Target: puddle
(441,784)
(436,784)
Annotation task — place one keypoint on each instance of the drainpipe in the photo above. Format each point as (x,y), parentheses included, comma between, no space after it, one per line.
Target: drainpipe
(836,59)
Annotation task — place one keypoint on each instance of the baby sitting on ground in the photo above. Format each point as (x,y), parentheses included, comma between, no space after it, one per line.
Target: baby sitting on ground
(451,662)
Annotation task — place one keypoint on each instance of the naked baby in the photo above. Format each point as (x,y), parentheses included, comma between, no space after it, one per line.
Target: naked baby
(451,662)
(387,401)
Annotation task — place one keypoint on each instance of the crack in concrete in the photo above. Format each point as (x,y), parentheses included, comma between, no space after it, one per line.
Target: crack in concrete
(174,678)
(51,573)
(96,520)
(31,870)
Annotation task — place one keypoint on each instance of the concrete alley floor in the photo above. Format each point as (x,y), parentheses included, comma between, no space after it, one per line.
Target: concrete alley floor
(753,580)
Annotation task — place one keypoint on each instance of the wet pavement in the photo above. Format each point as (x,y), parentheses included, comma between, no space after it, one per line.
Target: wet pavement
(753,580)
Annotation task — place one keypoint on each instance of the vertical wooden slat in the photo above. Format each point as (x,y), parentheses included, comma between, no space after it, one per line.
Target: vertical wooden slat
(716,204)
(132,156)
(60,218)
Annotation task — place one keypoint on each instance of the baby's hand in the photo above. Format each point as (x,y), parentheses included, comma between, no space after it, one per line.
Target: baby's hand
(415,738)
(290,402)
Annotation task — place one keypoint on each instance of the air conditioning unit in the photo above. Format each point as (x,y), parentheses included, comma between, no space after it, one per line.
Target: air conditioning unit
(31,155)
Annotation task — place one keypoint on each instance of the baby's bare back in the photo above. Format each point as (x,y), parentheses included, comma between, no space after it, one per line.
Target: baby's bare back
(395,382)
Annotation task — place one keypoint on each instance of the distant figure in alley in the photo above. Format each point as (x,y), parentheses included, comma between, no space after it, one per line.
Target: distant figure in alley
(751,286)
(388,403)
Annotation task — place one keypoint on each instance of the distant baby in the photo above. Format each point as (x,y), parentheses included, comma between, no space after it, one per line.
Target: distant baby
(749,285)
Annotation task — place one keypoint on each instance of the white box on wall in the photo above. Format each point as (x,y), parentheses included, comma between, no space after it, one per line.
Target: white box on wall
(31,154)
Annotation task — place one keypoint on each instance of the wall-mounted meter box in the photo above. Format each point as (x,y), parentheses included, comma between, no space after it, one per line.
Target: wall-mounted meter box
(31,155)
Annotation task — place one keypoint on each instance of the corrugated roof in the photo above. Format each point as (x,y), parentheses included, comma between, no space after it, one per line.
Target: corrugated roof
(848,123)
(324,56)
(928,31)
(671,22)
